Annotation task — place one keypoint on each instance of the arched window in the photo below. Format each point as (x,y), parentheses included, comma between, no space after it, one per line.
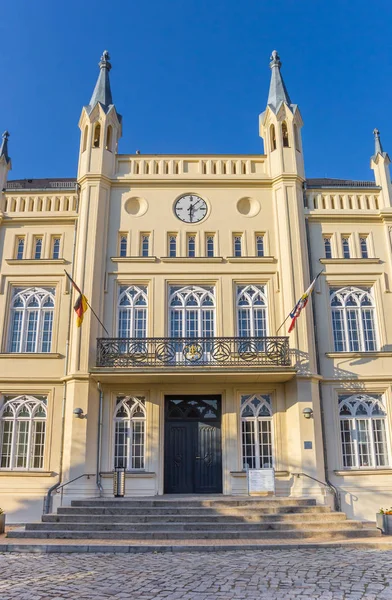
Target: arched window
(85,135)
(353,320)
(256,431)
(191,312)
(22,432)
(32,320)
(285,135)
(129,433)
(109,135)
(363,431)
(97,135)
(296,138)
(132,312)
(272,137)
(251,311)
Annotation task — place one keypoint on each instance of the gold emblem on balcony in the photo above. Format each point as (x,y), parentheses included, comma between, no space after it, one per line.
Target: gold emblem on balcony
(193,352)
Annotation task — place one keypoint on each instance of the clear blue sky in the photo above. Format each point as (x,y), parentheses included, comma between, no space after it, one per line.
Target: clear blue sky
(192,76)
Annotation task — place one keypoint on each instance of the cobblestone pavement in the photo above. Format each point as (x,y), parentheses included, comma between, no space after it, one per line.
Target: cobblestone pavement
(239,575)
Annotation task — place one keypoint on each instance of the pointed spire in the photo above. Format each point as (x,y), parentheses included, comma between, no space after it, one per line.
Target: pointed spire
(102,92)
(4,147)
(377,143)
(277,92)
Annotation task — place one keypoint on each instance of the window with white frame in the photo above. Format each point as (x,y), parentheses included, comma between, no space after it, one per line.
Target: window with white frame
(145,244)
(251,311)
(346,246)
(56,247)
(210,243)
(132,311)
(22,432)
(38,248)
(172,244)
(191,311)
(129,432)
(353,319)
(363,431)
(259,244)
(32,312)
(256,431)
(328,246)
(237,244)
(123,244)
(20,244)
(363,241)
(191,245)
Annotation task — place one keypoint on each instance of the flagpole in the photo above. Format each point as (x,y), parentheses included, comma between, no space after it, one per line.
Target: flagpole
(87,302)
(289,315)
(279,328)
(96,316)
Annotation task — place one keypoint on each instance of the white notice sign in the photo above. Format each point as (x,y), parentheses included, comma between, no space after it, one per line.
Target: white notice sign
(261,481)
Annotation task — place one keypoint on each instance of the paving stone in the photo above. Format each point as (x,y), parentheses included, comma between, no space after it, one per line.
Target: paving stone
(290,574)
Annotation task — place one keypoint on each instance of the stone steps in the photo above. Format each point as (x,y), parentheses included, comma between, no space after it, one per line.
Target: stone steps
(233,511)
(190,527)
(153,519)
(217,534)
(185,518)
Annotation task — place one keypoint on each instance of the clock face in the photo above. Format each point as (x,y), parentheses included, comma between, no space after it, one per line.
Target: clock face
(190,208)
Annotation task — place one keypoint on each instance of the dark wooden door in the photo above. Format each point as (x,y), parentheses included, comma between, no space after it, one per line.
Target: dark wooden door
(193,455)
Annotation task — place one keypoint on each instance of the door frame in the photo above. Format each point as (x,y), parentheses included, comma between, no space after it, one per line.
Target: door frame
(200,395)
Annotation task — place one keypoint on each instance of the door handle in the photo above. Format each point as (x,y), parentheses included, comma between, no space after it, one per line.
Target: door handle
(197,456)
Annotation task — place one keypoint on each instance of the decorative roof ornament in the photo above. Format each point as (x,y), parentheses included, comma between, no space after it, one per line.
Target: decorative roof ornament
(277,92)
(4,147)
(102,92)
(377,143)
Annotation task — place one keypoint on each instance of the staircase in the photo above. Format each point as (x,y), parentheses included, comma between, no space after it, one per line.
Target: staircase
(196,518)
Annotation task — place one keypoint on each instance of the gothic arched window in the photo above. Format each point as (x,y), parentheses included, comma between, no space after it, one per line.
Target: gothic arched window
(109,135)
(272,137)
(363,431)
(32,320)
(353,320)
(129,433)
(285,135)
(22,432)
(256,431)
(85,136)
(251,311)
(296,138)
(97,135)
(132,311)
(191,311)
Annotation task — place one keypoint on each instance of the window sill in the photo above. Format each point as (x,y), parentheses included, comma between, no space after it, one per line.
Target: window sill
(243,473)
(130,474)
(364,471)
(15,473)
(121,259)
(251,259)
(30,355)
(194,259)
(375,354)
(350,261)
(36,261)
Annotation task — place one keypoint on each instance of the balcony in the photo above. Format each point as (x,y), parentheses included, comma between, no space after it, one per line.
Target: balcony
(226,353)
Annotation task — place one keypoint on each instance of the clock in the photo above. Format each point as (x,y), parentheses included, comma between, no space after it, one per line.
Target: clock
(190,208)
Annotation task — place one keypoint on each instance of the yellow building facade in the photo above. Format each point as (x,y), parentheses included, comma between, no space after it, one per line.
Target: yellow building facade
(185,376)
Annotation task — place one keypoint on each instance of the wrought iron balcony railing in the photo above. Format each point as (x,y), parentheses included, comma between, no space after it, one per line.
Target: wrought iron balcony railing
(187,352)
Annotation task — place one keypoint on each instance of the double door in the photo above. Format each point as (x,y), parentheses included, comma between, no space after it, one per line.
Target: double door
(193,454)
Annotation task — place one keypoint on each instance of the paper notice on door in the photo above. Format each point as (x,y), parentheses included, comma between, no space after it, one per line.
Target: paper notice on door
(261,481)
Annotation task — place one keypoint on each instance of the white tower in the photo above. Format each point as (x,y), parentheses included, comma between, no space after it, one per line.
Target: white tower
(100,126)
(380,162)
(280,126)
(5,161)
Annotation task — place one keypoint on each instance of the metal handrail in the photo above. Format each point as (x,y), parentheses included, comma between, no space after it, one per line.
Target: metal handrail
(328,485)
(59,486)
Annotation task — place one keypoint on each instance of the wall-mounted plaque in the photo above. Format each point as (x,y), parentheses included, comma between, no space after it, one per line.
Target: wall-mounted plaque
(261,481)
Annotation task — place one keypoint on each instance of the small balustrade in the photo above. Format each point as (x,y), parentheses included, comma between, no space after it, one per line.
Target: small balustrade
(230,166)
(172,353)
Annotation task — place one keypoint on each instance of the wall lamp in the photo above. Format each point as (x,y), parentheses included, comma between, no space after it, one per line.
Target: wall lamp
(307,413)
(78,412)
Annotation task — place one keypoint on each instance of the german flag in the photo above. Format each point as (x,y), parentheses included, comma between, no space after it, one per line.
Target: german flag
(81,304)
